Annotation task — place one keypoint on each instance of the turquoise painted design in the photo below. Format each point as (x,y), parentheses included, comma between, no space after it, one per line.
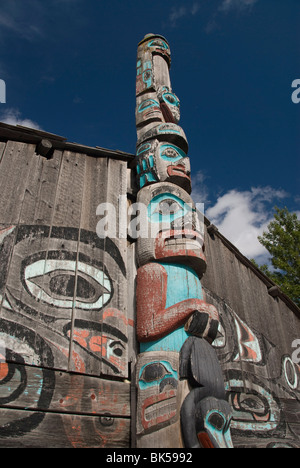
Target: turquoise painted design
(163,370)
(144,170)
(171,153)
(139,67)
(171,99)
(172,342)
(143,148)
(147,78)
(183,283)
(162,129)
(167,207)
(147,104)
(218,427)
(159,44)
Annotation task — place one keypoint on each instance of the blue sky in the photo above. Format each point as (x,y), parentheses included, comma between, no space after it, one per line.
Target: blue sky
(69,68)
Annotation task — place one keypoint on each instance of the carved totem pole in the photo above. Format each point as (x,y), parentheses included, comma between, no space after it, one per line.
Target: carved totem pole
(181,395)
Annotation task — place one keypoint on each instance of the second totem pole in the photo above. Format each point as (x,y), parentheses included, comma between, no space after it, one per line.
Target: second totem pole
(180,388)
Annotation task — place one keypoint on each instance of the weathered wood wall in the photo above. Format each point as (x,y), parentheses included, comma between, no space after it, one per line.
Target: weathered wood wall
(64,322)
(255,349)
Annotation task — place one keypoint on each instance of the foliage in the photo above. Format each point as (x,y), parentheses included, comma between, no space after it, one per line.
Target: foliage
(282,240)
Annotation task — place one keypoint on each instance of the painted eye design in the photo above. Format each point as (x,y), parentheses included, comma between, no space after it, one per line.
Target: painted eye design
(217,421)
(171,153)
(54,282)
(115,348)
(159,44)
(171,99)
(154,372)
(167,208)
(148,103)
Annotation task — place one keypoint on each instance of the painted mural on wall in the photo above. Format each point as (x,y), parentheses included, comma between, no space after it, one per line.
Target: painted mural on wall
(262,384)
(59,310)
(181,393)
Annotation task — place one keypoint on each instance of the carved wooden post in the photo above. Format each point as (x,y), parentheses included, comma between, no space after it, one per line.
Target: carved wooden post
(181,396)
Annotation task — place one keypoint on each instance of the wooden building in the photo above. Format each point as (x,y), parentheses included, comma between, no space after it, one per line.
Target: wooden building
(68,344)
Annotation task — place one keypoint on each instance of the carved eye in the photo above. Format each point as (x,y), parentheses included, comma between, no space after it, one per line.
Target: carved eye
(217,421)
(148,103)
(153,372)
(171,153)
(55,281)
(159,44)
(170,98)
(168,207)
(116,348)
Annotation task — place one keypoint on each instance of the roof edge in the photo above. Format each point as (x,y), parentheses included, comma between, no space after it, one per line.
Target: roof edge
(31,135)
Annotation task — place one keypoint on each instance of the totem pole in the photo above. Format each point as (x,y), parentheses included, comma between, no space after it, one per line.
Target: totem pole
(180,387)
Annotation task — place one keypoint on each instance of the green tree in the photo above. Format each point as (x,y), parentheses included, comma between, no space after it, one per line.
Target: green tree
(282,240)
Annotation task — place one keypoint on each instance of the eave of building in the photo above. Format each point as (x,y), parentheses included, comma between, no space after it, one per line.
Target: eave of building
(33,136)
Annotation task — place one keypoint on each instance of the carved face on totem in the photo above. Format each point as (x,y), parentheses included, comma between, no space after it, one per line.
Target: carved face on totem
(163,106)
(155,44)
(171,229)
(163,162)
(150,47)
(157,381)
(148,109)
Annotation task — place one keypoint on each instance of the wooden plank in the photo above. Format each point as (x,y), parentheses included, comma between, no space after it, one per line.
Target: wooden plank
(17,165)
(68,203)
(39,389)
(39,198)
(95,188)
(27,429)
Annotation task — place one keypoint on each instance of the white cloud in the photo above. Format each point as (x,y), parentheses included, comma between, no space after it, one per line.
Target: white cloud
(177,13)
(236,4)
(13,117)
(243,216)
(200,191)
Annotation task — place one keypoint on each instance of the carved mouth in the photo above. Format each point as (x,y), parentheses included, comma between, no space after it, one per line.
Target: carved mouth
(182,236)
(155,111)
(178,171)
(161,409)
(158,409)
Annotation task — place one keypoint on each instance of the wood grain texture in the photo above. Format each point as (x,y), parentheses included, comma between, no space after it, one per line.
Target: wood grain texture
(63,431)
(22,387)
